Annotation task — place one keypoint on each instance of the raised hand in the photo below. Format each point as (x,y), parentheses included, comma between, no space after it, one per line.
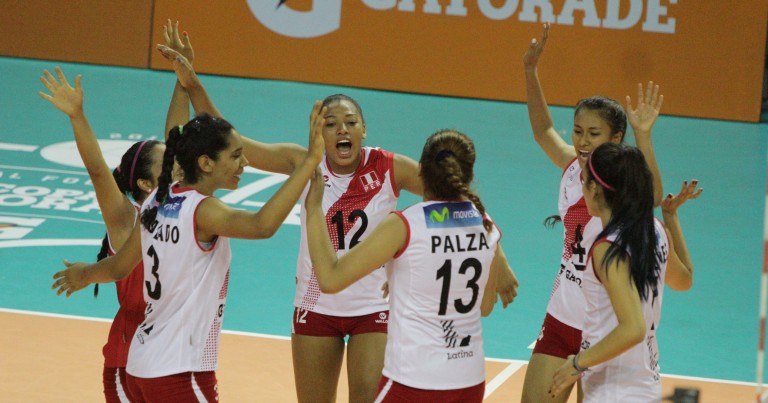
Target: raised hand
(689,191)
(183,68)
(531,57)
(67,99)
(71,279)
(648,106)
(173,41)
(316,145)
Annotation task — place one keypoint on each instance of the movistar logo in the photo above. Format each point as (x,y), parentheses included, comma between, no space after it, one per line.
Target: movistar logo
(439,217)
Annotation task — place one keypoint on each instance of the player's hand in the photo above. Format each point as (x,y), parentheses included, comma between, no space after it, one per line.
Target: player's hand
(173,41)
(535,49)
(71,279)
(62,95)
(689,191)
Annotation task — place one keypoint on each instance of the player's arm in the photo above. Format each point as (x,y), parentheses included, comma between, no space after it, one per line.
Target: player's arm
(629,331)
(543,127)
(278,157)
(117,210)
(489,294)
(407,175)
(117,267)
(337,273)
(679,275)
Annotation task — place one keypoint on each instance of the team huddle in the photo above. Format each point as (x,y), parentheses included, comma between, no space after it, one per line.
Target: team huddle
(400,292)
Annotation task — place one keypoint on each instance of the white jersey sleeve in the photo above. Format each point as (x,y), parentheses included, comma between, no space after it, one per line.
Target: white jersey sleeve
(436,286)
(185,289)
(354,204)
(633,376)
(566,303)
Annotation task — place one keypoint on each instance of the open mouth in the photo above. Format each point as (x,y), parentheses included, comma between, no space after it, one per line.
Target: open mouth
(344,148)
(584,154)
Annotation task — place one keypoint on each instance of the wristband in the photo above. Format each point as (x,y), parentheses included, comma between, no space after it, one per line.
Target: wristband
(576,366)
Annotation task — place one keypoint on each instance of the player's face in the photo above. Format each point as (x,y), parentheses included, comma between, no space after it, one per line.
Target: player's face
(589,190)
(156,158)
(590,131)
(229,166)
(157,162)
(343,133)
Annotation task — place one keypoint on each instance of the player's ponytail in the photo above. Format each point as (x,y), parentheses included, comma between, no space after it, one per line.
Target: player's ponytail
(447,168)
(149,215)
(203,135)
(627,188)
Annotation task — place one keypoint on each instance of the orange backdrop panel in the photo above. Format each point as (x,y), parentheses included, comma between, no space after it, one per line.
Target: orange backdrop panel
(710,66)
(87,31)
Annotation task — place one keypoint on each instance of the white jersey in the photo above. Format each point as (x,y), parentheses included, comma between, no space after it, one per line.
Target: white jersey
(566,303)
(633,376)
(436,286)
(185,288)
(354,204)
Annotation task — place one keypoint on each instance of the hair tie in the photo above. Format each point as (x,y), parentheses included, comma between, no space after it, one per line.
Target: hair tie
(181,130)
(133,164)
(442,154)
(594,175)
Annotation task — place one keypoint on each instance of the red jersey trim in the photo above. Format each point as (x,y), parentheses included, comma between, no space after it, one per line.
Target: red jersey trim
(568,166)
(391,168)
(194,220)
(407,234)
(363,157)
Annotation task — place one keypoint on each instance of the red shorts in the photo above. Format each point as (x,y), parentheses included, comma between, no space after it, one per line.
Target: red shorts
(184,387)
(308,323)
(557,339)
(115,387)
(392,392)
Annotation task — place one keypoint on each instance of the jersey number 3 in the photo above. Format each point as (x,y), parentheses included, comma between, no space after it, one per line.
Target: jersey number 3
(154,293)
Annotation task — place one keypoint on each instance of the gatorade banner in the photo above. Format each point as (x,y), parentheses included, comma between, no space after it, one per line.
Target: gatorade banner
(708,56)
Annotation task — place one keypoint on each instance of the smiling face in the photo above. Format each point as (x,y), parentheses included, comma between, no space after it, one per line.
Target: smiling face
(343,133)
(590,131)
(230,163)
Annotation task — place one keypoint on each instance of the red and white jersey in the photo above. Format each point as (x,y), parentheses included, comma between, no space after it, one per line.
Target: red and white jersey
(580,229)
(634,375)
(354,204)
(185,288)
(130,314)
(436,285)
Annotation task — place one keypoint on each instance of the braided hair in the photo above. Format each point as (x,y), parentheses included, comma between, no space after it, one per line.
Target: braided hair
(447,168)
(203,135)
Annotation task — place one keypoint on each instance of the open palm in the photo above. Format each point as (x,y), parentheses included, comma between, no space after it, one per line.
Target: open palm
(67,99)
